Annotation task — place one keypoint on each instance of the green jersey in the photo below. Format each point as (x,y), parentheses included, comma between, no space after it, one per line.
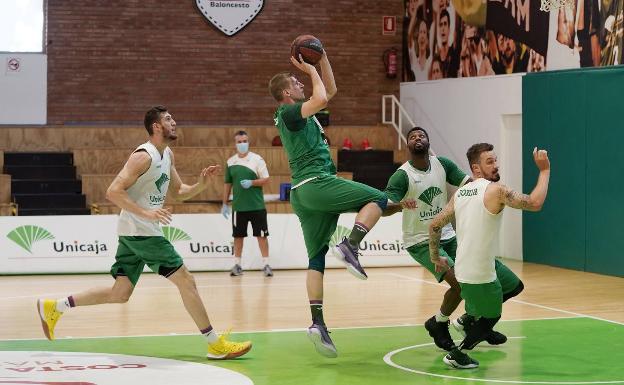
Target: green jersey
(428,188)
(305,144)
(251,166)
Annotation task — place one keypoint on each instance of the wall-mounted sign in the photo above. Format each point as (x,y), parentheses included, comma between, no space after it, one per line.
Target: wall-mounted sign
(389,25)
(230,16)
(13,64)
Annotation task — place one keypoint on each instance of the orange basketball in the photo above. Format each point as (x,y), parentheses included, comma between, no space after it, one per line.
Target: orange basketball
(309,47)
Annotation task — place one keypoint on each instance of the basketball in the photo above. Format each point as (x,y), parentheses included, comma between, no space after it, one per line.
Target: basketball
(309,47)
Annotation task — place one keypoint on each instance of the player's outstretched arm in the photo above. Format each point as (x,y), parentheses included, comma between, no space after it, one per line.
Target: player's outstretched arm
(180,191)
(535,200)
(318,100)
(327,75)
(138,163)
(435,233)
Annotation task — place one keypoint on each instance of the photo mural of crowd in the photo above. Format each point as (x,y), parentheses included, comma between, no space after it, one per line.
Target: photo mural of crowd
(507,36)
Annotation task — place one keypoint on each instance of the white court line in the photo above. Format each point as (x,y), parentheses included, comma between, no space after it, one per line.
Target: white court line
(388,360)
(408,278)
(284,330)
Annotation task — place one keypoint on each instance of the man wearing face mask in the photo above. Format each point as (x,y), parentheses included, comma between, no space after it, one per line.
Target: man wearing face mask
(423,180)
(245,174)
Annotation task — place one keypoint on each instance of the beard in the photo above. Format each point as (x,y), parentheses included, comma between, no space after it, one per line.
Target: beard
(494,177)
(419,150)
(170,135)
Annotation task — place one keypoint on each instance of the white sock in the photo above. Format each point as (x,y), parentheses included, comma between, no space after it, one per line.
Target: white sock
(441,317)
(265,260)
(62,304)
(237,260)
(210,334)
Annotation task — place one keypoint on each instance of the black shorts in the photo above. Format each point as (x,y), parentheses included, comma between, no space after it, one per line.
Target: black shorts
(258,219)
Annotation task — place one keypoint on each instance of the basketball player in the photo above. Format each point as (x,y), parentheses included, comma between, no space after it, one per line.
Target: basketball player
(477,208)
(318,197)
(140,190)
(424,179)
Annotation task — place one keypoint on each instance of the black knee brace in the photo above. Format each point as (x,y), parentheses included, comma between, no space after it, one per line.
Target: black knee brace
(382,203)
(318,262)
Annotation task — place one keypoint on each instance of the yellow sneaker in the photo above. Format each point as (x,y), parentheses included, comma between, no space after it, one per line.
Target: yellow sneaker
(222,349)
(49,316)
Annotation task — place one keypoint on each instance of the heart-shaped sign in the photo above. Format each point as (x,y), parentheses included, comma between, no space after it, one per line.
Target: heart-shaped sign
(230,16)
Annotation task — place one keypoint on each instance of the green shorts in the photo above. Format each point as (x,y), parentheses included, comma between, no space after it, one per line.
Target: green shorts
(448,248)
(133,253)
(319,202)
(420,253)
(508,280)
(483,299)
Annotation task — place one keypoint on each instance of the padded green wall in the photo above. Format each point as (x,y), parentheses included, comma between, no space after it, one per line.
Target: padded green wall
(577,116)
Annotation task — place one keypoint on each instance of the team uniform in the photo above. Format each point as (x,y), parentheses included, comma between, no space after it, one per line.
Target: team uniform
(141,242)
(317,196)
(428,188)
(477,236)
(247,204)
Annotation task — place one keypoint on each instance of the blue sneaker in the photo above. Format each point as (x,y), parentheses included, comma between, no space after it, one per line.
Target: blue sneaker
(349,257)
(319,336)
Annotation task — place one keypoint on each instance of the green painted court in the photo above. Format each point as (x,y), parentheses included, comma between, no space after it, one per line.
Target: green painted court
(548,351)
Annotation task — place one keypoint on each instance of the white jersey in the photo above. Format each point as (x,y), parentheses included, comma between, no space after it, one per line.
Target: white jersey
(149,192)
(477,234)
(429,189)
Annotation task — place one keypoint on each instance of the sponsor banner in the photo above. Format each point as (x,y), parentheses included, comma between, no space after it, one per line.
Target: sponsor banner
(55,244)
(87,244)
(76,368)
(520,20)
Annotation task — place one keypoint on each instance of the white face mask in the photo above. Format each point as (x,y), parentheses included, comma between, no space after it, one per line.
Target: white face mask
(242,147)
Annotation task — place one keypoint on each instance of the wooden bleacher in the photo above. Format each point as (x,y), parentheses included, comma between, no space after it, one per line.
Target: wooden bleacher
(67,138)
(101,151)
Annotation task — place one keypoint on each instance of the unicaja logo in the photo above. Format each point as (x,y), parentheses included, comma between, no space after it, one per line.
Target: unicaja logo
(173,234)
(429,194)
(26,235)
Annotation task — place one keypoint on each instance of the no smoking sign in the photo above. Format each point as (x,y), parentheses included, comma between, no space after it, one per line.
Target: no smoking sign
(13,64)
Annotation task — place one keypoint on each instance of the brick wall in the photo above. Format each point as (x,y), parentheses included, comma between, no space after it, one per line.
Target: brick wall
(108,61)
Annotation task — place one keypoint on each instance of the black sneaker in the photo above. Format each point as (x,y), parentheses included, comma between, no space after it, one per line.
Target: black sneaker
(460,360)
(319,335)
(463,324)
(236,271)
(349,257)
(439,331)
(268,272)
(496,338)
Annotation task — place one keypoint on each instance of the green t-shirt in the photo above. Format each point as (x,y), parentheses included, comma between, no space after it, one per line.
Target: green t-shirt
(251,167)
(305,144)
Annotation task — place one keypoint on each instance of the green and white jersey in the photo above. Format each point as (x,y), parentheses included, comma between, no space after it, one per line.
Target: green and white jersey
(251,166)
(149,192)
(428,188)
(305,144)
(477,234)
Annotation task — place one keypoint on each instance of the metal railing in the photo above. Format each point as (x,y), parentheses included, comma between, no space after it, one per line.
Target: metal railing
(396,116)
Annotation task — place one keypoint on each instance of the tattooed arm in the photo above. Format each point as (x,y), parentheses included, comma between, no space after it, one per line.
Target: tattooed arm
(435,232)
(535,200)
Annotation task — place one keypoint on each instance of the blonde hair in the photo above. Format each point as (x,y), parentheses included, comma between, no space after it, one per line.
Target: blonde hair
(278,84)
